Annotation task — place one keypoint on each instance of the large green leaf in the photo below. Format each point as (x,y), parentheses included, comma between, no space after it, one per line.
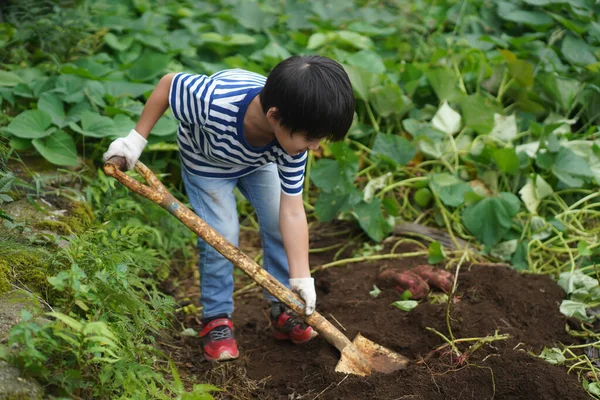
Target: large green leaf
(571,168)
(250,15)
(577,51)
(362,81)
(371,219)
(148,66)
(330,175)
(491,218)
(30,124)
(58,148)
(511,12)
(368,60)
(10,79)
(478,115)
(389,100)
(449,189)
(330,204)
(444,83)
(124,88)
(119,44)
(53,105)
(96,125)
(165,127)
(394,148)
(71,88)
(507,160)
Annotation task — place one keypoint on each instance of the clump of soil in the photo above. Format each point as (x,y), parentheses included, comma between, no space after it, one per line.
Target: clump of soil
(489,299)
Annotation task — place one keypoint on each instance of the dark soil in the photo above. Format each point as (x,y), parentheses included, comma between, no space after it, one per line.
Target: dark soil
(489,299)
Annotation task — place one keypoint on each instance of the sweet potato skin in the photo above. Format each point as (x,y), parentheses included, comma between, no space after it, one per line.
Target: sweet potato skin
(403,280)
(435,277)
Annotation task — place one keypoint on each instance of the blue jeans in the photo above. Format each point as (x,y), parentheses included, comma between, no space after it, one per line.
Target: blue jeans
(213,201)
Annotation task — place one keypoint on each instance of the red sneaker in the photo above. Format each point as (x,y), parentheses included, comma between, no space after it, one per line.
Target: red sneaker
(288,326)
(218,340)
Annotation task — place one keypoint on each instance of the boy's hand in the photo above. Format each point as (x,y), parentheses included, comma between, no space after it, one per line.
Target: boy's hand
(305,288)
(129,147)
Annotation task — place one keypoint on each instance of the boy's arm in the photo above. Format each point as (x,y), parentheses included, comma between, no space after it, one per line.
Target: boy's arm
(294,231)
(132,145)
(155,107)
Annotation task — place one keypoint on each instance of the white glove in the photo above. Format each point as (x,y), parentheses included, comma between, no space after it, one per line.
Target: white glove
(305,288)
(130,147)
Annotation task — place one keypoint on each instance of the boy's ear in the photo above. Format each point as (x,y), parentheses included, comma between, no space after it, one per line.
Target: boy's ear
(273,115)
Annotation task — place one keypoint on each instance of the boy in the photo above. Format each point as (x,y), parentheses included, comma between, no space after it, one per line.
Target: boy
(238,129)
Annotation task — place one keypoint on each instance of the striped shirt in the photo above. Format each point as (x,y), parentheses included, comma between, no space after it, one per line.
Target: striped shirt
(210,111)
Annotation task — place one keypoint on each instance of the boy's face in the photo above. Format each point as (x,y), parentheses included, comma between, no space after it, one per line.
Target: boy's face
(295,143)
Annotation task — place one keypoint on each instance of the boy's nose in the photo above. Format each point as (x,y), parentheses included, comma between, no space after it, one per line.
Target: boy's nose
(313,146)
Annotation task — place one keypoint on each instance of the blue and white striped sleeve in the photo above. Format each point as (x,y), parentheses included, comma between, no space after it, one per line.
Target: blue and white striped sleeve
(189,98)
(291,173)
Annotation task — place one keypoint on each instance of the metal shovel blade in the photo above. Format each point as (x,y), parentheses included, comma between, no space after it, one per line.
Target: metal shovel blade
(373,355)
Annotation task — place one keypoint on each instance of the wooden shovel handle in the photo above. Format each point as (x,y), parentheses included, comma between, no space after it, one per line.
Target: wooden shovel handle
(159,194)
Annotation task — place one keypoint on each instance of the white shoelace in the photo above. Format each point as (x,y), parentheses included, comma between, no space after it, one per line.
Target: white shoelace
(220,334)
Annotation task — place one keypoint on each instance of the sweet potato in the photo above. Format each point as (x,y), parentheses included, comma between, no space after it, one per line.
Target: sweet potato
(403,280)
(435,277)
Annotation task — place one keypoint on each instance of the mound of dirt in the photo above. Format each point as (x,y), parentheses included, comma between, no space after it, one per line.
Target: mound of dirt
(489,299)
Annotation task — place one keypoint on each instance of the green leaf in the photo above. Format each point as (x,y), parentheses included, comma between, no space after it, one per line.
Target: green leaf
(317,40)
(446,120)
(362,81)
(124,88)
(505,250)
(329,204)
(570,168)
(30,124)
(121,44)
(575,309)
(444,83)
(436,253)
(375,292)
(522,72)
(393,148)
(58,148)
(249,14)
(405,305)
(96,125)
(53,105)
(165,127)
(531,18)
(340,173)
(148,66)
(576,280)
(507,160)
(368,60)
(389,100)
(71,88)
(491,218)
(533,192)
(354,39)
(505,128)
(449,189)
(478,115)
(10,79)
(553,356)
(70,322)
(577,51)
(371,220)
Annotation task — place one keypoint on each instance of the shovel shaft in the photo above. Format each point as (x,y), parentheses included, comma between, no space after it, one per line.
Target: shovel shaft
(159,195)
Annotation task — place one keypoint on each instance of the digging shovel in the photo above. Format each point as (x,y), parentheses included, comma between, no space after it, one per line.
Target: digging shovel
(359,357)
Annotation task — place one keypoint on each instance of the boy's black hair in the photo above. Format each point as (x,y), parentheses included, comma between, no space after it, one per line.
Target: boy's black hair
(313,95)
